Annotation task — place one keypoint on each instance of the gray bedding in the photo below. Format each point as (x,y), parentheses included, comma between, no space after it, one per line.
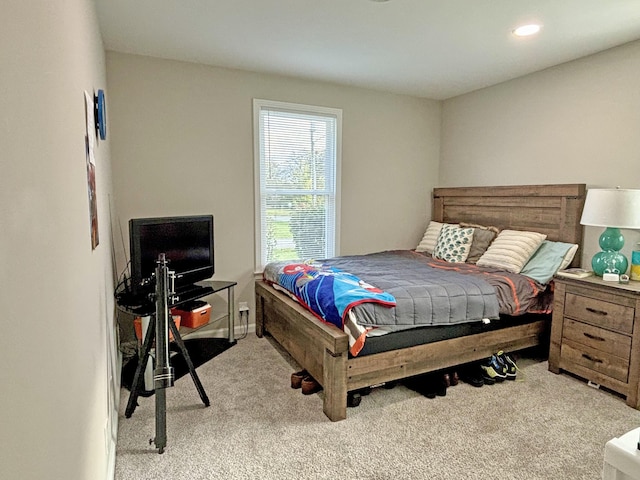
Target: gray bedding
(424,295)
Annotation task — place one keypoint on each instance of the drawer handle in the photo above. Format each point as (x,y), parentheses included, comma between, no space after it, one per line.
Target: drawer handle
(591,359)
(597,312)
(593,337)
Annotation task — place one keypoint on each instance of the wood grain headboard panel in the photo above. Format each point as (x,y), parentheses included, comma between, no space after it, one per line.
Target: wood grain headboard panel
(554,210)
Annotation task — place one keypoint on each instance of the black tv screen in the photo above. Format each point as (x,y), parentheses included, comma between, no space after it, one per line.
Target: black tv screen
(187,243)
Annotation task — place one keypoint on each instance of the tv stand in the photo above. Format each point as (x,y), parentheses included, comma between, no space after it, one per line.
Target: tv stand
(192,292)
(215,286)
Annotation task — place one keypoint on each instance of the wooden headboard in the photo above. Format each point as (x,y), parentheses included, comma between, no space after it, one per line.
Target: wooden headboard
(554,210)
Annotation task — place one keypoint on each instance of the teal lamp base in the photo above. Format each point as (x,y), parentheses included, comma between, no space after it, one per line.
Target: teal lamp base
(610,260)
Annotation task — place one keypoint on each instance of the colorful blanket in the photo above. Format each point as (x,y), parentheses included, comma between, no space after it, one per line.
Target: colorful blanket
(328,291)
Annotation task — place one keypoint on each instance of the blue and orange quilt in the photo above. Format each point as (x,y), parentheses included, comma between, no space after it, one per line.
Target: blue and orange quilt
(329,292)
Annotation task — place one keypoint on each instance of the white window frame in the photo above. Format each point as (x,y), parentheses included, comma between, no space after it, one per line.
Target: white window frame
(258,105)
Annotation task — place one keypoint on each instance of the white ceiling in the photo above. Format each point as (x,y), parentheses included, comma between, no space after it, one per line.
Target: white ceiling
(429,48)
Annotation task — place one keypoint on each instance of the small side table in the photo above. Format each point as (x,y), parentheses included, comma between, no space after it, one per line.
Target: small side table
(595,333)
(622,457)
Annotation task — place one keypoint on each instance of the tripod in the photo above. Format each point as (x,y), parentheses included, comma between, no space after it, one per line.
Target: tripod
(159,326)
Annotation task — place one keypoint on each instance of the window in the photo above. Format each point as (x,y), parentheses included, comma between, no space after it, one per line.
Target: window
(297,159)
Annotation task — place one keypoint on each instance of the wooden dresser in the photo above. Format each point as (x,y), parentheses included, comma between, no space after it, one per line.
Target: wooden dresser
(595,333)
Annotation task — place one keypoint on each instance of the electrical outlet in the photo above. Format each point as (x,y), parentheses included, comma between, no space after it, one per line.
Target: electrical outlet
(244,307)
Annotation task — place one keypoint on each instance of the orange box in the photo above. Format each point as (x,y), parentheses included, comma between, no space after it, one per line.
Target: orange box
(137,326)
(196,317)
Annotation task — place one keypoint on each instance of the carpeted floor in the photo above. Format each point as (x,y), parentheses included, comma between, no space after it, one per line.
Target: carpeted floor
(543,426)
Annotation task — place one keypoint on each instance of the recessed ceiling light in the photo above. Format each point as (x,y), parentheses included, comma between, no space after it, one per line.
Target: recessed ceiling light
(526,30)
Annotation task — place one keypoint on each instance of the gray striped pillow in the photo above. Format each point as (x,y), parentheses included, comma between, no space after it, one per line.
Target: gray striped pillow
(511,250)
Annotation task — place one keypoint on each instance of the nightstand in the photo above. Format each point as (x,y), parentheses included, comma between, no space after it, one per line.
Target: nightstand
(595,333)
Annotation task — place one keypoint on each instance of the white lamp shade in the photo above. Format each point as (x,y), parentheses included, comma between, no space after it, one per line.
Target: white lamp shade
(612,207)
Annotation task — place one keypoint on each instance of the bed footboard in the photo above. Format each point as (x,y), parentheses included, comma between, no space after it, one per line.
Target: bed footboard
(320,349)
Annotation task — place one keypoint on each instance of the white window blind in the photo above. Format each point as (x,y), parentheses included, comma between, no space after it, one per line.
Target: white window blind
(297,159)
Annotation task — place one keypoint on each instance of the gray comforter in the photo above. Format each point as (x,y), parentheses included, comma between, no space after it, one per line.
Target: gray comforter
(424,295)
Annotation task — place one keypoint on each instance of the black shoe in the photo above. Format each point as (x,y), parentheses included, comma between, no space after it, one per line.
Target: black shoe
(434,385)
(494,370)
(428,384)
(511,369)
(414,383)
(472,374)
(353,399)
(441,382)
(487,379)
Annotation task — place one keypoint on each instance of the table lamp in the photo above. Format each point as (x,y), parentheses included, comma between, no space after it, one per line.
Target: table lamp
(613,208)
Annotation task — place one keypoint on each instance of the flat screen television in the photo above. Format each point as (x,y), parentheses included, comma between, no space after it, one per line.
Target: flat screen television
(186,241)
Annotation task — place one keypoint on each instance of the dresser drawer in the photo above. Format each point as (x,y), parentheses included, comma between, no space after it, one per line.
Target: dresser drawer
(597,312)
(599,339)
(601,362)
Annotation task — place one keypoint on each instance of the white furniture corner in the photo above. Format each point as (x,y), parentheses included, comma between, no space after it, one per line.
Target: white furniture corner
(622,457)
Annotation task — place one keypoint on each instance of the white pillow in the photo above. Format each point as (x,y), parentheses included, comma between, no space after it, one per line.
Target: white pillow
(568,258)
(453,244)
(511,250)
(430,238)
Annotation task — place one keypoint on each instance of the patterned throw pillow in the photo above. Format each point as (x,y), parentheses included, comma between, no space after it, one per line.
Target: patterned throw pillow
(453,244)
(430,238)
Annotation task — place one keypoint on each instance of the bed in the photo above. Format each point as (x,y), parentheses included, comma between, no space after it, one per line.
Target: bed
(323,349)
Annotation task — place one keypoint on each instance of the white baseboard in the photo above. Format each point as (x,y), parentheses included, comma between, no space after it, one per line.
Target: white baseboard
(111,460)
(221,332)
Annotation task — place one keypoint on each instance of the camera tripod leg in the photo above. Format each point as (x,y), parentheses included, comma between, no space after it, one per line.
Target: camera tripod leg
(161,419)
(142,362)
(187,358)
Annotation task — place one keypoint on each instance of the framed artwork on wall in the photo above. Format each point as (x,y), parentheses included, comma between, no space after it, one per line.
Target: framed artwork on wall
(91,169)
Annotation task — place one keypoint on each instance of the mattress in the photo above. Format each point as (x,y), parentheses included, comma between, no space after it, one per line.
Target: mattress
(435,333)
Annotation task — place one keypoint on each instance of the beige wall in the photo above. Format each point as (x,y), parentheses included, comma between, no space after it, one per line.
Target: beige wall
(575,123)
(57,405)
(183,144)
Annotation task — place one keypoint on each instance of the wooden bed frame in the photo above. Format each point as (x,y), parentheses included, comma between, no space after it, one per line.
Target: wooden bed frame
(322,349)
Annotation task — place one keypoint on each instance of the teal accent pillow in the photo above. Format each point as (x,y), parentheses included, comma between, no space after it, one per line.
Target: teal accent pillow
(548,259)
